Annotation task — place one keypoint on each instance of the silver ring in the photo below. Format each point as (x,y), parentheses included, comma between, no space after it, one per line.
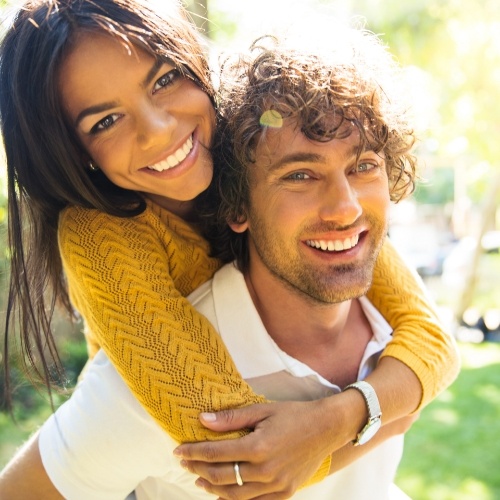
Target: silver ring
(236,467)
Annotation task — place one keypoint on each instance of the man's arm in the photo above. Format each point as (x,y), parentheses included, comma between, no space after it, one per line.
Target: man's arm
(25,478)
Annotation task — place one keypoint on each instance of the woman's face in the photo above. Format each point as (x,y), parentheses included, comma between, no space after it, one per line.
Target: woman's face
(146,127)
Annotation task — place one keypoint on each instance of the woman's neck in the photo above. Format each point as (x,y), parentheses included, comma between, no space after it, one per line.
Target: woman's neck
(183,209)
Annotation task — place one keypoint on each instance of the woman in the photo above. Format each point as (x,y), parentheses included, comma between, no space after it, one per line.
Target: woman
(105,174)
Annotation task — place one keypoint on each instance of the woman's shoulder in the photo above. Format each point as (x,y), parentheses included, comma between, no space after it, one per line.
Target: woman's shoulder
(78,219)
(79,224)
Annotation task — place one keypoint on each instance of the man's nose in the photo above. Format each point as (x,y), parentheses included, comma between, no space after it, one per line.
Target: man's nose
(154,126)
(340,202)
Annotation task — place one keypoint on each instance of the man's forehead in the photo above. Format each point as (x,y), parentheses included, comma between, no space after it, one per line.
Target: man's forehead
(276,144)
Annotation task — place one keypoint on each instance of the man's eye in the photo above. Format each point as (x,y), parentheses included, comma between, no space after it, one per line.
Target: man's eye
(167,79)
(298,176)
(365,167)
(104,124)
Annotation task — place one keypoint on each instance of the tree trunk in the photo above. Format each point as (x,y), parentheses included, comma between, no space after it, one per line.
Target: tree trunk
(488,217)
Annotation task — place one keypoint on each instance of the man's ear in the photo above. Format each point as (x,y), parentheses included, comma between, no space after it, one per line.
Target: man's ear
(239,227)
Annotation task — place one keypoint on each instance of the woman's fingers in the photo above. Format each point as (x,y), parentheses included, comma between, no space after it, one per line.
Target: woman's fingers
(228,450)
(281,454)
(217,474)
(232,420)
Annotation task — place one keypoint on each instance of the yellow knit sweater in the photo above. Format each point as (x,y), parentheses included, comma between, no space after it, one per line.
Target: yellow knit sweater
(128,278)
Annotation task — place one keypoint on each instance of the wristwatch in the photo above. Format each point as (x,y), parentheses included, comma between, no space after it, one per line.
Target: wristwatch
(374,414)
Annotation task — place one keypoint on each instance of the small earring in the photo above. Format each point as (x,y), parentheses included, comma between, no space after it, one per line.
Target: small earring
(93,167)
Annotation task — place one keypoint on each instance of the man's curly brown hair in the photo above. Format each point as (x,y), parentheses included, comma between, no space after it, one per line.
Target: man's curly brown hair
(351,82)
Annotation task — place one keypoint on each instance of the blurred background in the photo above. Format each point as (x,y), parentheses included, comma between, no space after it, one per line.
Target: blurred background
(449,230)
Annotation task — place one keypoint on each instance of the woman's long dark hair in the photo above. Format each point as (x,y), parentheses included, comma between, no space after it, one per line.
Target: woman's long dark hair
(47,168)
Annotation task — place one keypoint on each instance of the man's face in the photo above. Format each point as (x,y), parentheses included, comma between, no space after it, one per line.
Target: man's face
(318,214)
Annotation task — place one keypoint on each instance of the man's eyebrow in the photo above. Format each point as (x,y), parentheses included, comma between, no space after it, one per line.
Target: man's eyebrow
(99,108)
(304,157)
(295,158)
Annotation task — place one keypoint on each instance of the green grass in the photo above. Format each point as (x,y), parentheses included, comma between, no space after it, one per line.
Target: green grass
(453,452)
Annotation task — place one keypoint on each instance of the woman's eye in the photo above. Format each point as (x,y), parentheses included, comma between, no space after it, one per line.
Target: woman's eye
(104,124)
(298,176)
(167,79)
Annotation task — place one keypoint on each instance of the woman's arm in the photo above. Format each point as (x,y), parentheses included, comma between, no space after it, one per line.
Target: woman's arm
(273,460)
(128,278)
(419,339)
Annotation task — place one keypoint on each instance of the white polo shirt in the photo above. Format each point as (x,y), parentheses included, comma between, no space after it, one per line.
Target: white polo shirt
(101,444)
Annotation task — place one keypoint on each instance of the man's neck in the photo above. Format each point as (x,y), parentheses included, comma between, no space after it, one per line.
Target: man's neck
(330,338)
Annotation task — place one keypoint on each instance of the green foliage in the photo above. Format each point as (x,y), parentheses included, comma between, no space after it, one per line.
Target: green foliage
(452,452)
(439,190)
(32,405)
(457,43)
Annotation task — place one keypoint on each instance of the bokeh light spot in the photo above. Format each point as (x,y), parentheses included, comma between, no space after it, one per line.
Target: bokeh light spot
(271,118)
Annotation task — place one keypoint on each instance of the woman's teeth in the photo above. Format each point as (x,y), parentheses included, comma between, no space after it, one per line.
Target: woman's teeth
(174,159)
(334,245)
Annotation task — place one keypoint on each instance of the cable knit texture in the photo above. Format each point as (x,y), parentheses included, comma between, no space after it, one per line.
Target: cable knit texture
(128,278)
(419,339)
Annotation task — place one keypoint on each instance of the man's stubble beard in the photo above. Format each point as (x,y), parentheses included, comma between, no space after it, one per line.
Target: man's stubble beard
(320,285)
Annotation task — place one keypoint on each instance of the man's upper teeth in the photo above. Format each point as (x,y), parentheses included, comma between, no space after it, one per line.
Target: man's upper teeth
(334,245)
(175,158)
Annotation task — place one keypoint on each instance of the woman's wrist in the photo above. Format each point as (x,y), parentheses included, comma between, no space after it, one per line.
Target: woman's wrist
(342,416)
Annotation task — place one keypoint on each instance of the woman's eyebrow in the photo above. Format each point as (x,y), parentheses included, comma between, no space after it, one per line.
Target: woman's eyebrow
(99,108)
(93,110)
(152,72)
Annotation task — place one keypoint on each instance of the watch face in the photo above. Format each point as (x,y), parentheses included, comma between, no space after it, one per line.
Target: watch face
(369,430)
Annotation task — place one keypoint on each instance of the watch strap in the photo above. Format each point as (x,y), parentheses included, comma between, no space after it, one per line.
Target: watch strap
(370,397)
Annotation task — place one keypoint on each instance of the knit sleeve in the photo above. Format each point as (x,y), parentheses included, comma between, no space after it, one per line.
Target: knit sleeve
(120,280)
(120,276)
(419,340)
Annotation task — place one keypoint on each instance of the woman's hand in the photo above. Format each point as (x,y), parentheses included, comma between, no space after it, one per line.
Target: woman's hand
(289,442)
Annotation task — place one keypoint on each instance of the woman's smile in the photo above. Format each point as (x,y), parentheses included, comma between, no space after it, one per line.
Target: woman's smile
(174,159)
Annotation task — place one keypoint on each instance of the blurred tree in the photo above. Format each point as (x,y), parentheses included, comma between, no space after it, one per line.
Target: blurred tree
(199,13)
(457,43)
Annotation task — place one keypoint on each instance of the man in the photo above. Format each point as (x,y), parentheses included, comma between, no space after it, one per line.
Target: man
(322,150)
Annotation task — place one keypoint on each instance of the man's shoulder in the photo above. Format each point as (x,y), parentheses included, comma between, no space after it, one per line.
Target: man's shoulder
(202,295)
(226,280)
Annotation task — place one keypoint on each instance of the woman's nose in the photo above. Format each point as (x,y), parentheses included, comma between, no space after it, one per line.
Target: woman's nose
(154,126)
